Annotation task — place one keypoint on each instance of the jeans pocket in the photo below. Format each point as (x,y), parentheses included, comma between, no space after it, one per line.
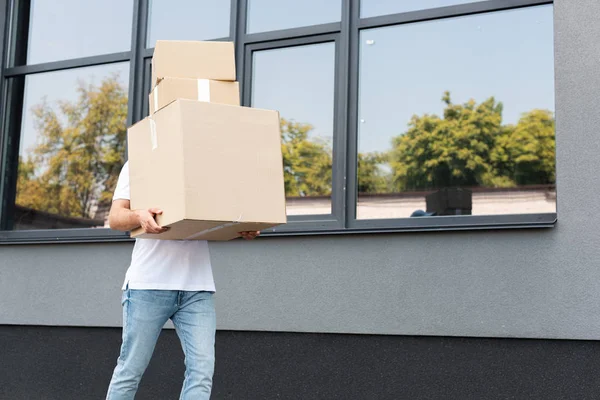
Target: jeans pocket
(125,295)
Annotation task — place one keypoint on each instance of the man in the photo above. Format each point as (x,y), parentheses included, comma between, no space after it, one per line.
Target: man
(165,280)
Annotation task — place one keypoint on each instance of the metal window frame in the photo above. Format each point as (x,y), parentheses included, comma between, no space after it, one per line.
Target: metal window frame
(453,11)
(10,114)
(345,34)
(357,24)
(5,13)
(335,220)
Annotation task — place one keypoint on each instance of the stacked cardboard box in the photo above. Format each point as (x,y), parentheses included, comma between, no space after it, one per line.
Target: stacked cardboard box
(214,168)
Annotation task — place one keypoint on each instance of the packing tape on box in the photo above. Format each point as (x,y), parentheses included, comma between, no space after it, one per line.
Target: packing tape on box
(215,228)
(203,90)
(204,232)
(153,137)
(156,99)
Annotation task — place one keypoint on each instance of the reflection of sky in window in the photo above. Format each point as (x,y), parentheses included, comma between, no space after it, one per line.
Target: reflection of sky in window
(61,86)
(270,15)
(405,69)
(65,29)
(372,8)
(508,55)
(188,20)
(299,83)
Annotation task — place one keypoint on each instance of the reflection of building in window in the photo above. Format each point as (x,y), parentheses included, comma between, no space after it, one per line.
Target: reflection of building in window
(28,218)
(522,200)
(455,201)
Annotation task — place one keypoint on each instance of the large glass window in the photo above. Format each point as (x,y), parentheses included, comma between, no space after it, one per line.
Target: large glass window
(65,29)
(299,82)
(373,8)
(456,117)
(271,15)
(72,147)
(441,109)
(188,20)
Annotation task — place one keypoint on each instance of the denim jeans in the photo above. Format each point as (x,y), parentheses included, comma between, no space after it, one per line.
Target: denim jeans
(144,314)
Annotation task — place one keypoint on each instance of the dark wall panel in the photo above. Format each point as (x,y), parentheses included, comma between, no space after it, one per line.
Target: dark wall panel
(76,363)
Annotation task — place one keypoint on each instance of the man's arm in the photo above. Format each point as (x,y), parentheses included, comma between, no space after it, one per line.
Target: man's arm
(249,235)
(123,218)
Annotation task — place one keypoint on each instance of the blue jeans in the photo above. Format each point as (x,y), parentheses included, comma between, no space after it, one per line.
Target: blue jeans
(144,314)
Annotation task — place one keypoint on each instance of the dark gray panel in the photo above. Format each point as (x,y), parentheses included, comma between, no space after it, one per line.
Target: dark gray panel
(72,363)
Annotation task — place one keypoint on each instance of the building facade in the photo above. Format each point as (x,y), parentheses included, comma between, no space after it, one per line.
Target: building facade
(440,164)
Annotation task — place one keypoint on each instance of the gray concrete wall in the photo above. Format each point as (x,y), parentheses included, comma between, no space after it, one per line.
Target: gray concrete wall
(534,283)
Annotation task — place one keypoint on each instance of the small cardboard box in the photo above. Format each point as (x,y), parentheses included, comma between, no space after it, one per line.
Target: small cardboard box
(170,89)
(193,60)
(214,169)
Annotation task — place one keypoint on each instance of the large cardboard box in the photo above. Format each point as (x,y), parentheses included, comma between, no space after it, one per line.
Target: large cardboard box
(170,89)
(194,60)
(214,170)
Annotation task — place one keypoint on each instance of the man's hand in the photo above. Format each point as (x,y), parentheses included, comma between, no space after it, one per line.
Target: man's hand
(123,218)
(249,235)
(147,221)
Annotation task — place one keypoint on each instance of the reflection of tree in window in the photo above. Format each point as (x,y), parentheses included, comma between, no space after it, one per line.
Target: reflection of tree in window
(81,146)
(73,168)
(307,162)
(467,147)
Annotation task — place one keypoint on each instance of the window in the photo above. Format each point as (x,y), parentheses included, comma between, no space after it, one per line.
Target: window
(63,140)
(463,115)
(271,15)
(72,147)
(303,93)
(396,115)
(188,20)
(75,28)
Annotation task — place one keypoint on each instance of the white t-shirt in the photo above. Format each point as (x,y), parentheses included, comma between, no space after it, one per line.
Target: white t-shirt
(166,264)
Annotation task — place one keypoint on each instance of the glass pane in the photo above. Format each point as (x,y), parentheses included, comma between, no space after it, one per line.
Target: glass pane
(72,147)
(75,28)
(374,8)
(271,15)
(456,117)
(188,20)
(299,83)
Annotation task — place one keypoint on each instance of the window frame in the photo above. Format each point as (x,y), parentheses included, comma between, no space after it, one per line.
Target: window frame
(315,222)
(538,220)
(9,114)
(345,35)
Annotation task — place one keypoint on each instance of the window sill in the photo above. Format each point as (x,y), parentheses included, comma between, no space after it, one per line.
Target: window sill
(408,225)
